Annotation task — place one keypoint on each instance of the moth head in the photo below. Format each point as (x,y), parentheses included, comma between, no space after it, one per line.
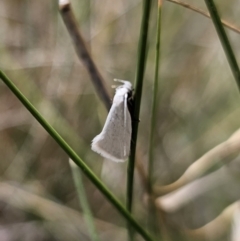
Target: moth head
(126,84)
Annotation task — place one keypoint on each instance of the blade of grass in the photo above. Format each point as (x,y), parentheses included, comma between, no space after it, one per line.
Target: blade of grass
(77,178)
(137,102)
(79,162)
(152,210)
(224,40)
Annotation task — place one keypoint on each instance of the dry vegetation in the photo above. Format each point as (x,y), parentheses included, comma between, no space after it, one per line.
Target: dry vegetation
(198,109)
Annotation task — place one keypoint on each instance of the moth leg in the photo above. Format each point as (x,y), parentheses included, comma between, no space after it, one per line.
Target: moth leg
(125,120)
(136,120)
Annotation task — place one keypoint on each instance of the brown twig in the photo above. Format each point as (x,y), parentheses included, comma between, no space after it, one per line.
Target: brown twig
(82,51)
(206,14)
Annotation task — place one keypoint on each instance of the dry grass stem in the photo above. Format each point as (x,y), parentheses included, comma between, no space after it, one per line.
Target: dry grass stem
(206,14)
(203,164)
(217,227)
(190,192)
(55,212)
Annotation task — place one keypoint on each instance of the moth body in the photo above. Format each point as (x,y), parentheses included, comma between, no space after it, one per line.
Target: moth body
(113,143)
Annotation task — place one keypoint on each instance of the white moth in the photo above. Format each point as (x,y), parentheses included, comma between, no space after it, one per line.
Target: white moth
(113,143)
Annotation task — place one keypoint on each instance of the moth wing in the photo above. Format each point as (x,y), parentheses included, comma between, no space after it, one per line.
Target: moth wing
(114,141)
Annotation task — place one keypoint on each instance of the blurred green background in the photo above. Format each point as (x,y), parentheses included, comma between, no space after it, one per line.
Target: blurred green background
(198,108)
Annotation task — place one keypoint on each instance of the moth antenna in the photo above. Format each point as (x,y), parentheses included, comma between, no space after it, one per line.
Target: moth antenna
(121,81)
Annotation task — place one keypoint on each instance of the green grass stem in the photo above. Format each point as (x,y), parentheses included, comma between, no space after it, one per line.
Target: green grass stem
(152,211)
(154,101)
(88,217)
(142,45)
(79,162)
(224,40)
